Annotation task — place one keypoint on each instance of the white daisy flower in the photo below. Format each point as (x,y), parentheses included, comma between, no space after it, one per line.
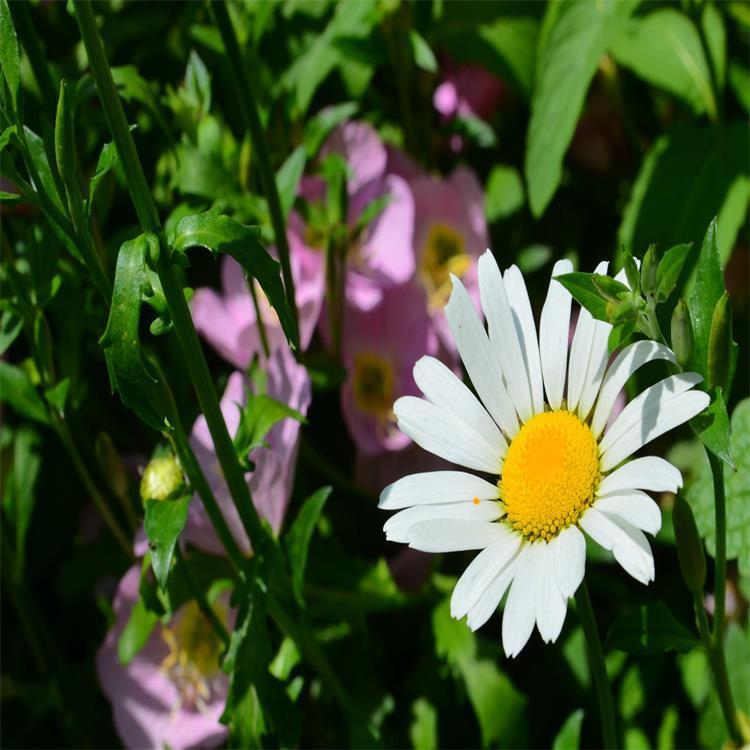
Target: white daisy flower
(556,469)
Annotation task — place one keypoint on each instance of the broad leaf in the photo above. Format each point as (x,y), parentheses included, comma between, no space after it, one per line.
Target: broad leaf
(221,234)
(575,37)
(594,292)
(129,372)
(650,630)
(712,427)
(163,524)
(18,391)
(569,736)
(299,535)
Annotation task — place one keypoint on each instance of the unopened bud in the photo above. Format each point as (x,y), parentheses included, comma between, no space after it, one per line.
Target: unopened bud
(648,271)
(689,545)
(720,345)
(682,334)
(162,479)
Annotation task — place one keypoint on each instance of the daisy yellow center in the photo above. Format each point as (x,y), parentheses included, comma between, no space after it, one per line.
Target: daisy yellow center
(444,253)
(373,383)
(550,474)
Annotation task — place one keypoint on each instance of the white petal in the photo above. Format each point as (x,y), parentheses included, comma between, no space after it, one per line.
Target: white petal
(520,609)
(633,506)
(503,335)
(628,544)
(440,535)
(569,551)
(482,570)
(645,473)
(523,317)
(442,433)
(482,362)
(397,526)
(598,359)
(444,389)
(551,606)
(581,351)
(624,365)
(657,410)
(434,487)
(554,327)
(489,601)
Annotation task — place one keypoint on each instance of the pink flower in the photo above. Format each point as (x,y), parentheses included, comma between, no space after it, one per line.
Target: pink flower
(468,89)
(173,691)
(228,320)
(379,348)
(272,479)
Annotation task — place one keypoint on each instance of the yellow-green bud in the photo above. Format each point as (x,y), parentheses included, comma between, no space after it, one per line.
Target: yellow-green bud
(648,271)
(689,545)
(720,344)
(161,479)
(682,334)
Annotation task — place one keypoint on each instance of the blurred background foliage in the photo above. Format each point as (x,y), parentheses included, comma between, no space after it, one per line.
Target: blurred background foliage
(627,125)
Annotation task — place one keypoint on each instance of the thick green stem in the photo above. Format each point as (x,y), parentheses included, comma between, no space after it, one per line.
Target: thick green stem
(260,146)
(598,666)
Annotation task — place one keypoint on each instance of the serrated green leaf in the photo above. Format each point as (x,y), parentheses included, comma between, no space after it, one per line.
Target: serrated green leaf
(569,736)
(299,535)
(575,37)
(288,177)
(136,632)
(18,391)
(669,269)
(221,234)
(712,428)
(650,630)
(163,525)
(130,374)
(10,59)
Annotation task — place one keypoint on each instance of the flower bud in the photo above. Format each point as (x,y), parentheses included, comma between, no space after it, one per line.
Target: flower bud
(648,271)
(720,345)
(689,545)
(682,334)
(162,478)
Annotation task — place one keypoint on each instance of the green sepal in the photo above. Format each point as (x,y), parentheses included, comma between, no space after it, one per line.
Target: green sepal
(163,524)
(221,234)
(681,334)
(129,372)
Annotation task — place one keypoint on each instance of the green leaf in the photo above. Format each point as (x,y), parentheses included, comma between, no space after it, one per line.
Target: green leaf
(739,82)
(664,48)
(107,159)
(722,350)
(130,374)
(57,395)
(65,143)
(9,55)
(136,632)
(423,731)
(650,630)
(669,269)
(6,135)
(38,155)
(17,390)
(132,87)
(575,37)
(299,535)
(11,324)
(424,57)
(319,127)
(220,234)
(701,497)
(708,290)
(163,524)
(569,736)
(712,428)
(594,292)
(288,177)
(690,175)
(505,194)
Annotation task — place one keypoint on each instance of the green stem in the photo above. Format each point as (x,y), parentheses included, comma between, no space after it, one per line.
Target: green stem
(260,145)
(200,598)
(598,666)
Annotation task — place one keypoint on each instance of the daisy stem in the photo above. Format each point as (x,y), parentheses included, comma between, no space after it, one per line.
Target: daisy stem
(258,137)
(598,666)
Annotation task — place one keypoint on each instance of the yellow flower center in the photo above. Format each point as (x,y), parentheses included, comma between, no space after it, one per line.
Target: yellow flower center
(444,253)
(193,659)
(373,384)
(550,474)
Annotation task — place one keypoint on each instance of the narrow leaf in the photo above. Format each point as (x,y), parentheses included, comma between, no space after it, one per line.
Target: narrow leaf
(288,177)
(569,736)
(136,632)
(669,269)
(17,390)
(163,524)
(9,54)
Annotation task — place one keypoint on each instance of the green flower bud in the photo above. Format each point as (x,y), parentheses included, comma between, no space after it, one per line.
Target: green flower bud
(682,334)
(65,144)
(720,345)
(689,545)
(162,479)
(648,271)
